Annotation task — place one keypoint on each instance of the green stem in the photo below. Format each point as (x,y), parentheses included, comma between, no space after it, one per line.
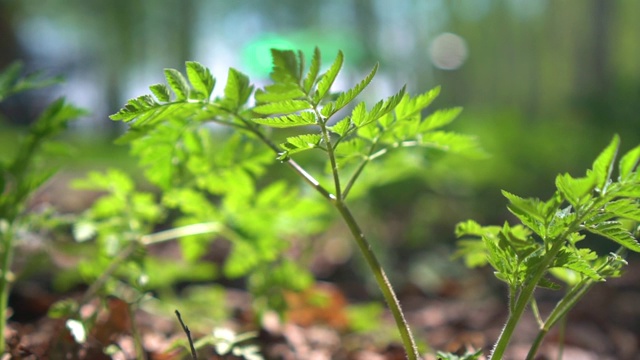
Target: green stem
(106,275)
(330,153)
(382,280)
(5,277)
(365,248)
(560,311)
(523,299)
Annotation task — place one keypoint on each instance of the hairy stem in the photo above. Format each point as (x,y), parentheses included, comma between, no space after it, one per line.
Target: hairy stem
(382,280)
(523,299)
(560,311)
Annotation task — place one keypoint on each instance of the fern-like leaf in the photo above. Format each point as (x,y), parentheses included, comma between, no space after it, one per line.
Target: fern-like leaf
(452,142)
(629,162)
(282,107)
(285,66)
(341,127)
(296,144)
(279,92)
(200,78)
(603,165)
(613,230)
(624,208)
(304,118)
(327,79)
(575,190)
(439,119)
(346,97)
(410,106)
(177,83)
(161,92)
(236,91)
(312,74)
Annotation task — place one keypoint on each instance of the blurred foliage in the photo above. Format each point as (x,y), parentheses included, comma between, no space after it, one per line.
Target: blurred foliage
(544,84)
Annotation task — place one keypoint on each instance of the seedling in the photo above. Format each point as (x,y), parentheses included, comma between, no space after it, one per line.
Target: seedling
(23,173)
(168,131)
(547,243)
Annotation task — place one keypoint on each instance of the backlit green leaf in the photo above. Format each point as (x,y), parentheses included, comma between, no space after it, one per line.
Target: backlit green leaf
(237,90)
(624,208)
(296,144)
(304,118)
(453,142)
(439,119)
(410,106)
(613,230)
(161,92)
(603,165)
(312,74)
(327,79)
(285,66)
(282,107)
(177,83)
(341,127)
(346,97)
(575,190)
(629,162)
(200,78)
(279,92)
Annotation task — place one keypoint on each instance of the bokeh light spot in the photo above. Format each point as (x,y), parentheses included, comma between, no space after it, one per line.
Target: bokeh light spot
(448,51)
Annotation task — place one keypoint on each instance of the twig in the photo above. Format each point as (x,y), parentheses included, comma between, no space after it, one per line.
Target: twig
(194,355)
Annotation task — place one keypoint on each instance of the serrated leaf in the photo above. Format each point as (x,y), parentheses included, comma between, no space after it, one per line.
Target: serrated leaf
(453,142)
(410,106)
(359,114)
(314,69)
(177,83)
(327,79)
(383,107)
(439,119)
(282,107)
(603,165)
(341,127)
(200,78)
(304,118)
(629,162)
(285,66)
(548,284)
(575,190)
(624,208)
(369,131)
(578,262)
(279,92)
(346,97)
(237,90)
(613,230)
(161,92)
(528,211)
(296,144)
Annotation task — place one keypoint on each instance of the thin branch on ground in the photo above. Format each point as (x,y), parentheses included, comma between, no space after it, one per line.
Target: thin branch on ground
(194,355)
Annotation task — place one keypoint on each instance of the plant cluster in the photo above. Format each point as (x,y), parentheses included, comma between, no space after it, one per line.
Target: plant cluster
(24,171)
(548,242)
(211,155)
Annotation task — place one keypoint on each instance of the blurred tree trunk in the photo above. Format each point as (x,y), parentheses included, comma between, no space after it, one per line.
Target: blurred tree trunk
(595,71)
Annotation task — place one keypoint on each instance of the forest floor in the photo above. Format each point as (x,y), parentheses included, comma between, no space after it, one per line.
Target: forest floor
(460,314)
(605,325)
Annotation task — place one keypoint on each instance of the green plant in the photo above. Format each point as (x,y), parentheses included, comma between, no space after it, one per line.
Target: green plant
(548,241)
(23,173)
(213,175)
